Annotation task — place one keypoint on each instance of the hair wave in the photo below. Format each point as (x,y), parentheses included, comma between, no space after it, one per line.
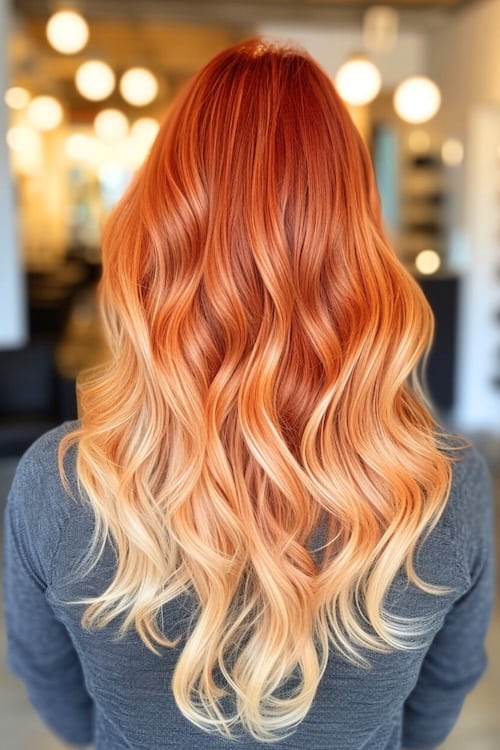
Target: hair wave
(264,338)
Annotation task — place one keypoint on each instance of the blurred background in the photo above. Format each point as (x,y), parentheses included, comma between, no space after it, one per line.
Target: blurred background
(83,88)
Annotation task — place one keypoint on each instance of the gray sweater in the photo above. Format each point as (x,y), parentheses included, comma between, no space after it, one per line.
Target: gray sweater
(91,687)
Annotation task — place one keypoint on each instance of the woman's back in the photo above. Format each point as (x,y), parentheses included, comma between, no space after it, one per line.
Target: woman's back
(417,692)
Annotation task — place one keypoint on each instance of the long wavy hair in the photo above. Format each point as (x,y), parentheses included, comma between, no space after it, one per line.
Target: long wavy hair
(262,390)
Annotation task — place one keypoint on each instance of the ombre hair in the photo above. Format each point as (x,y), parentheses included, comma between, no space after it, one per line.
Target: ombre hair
(262,394)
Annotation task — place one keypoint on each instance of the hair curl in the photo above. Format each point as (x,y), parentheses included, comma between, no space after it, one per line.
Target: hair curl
(264,338)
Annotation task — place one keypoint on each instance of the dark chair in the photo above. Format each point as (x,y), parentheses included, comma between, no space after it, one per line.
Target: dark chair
(29,396)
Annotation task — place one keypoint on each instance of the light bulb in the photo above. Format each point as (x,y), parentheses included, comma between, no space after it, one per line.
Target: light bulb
(146,129)
(417,99)
(138,86)
(17,97)
(427,262)
(111,125)
(22,138)
(358,81)
(95,80)
(26,145)
(67,31)
(380,28)
(81,147)
(45,113)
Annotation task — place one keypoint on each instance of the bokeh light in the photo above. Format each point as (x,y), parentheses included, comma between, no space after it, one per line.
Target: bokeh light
(45,113)
(95,80)
(67,31)
(358,81)
(111,125)
(427,262)
(417,99)
(17,97)
(138,86)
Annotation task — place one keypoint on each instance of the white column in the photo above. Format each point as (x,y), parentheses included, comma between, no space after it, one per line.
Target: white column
(13,324)
(478,402)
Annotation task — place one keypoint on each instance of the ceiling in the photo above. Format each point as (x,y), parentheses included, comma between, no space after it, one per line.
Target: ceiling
(174,37)
(235,11)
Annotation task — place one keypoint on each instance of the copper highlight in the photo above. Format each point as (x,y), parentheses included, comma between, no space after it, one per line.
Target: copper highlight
(259,440)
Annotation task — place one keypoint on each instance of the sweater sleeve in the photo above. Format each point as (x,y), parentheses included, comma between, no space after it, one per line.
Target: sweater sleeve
(39,649)
(456,659)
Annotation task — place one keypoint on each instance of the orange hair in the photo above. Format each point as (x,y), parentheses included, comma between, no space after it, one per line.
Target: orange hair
(264,337)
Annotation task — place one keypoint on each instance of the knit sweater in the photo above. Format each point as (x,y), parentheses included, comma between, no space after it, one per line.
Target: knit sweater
(91,687)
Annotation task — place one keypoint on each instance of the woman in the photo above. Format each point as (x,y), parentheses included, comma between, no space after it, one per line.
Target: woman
(256,531)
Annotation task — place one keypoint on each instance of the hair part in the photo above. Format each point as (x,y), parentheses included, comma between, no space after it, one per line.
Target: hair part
(263,338)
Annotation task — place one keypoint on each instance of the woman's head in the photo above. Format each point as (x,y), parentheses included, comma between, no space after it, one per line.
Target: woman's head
(263,336)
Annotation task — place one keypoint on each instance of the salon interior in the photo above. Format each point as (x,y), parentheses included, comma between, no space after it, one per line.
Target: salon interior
(84,87)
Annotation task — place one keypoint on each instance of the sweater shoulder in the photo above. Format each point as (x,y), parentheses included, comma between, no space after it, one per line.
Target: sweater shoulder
(39,463)
(44,450)
(38,504)
(470,507)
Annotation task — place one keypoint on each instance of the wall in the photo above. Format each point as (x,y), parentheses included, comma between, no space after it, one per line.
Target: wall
(12,293)
(331,46)
(464,59)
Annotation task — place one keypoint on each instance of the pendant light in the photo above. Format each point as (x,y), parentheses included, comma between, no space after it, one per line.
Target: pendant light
(138,86)
(67,31)
(417,99)
(95,80)
(358,80)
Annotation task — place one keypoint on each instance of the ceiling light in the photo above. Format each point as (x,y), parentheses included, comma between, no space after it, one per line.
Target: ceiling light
(67,31)
(22,138)
(111,125)
(138,86)
(95,80)
(45,113)
(81,147)
(26,145)
(358,81)
(17,97)
(380,28)
(145,128)
(427,262)
(417,99)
